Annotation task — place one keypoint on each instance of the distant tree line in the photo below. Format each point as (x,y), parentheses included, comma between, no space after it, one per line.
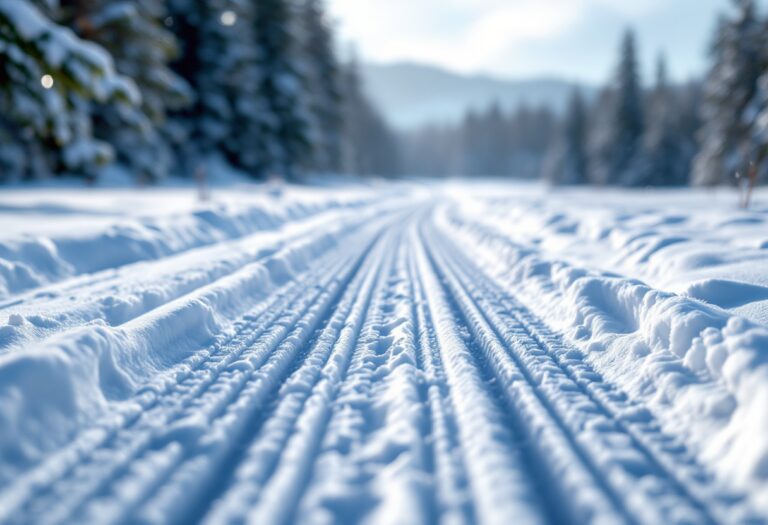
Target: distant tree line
(705,132)
(628,136)
(486,142)
(160,86)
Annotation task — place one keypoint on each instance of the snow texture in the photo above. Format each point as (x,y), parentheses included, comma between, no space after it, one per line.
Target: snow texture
(401,353)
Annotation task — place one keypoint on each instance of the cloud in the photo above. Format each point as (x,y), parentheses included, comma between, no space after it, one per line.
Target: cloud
(456,33)
(475,35)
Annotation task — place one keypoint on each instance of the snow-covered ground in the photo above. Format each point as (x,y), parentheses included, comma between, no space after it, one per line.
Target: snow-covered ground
(403,353)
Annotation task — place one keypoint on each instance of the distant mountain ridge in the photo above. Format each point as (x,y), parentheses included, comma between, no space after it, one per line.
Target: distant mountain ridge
(410,95)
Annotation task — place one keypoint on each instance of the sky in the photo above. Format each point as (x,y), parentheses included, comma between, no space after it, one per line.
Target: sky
(572,39)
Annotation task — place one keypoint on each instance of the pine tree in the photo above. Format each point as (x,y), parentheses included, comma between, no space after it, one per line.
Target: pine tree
(567,162)
(494,146)
(689,102)
(618,140)
(133,33)
(284,142)
(471,143)
(629,122)
(757,119)
(219,61)
(759,137)
(48,79)
(738,55)
(666,155)
(322,76)
(236,110)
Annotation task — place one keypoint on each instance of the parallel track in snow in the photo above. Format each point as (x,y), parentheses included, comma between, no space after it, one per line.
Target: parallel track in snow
(392,380)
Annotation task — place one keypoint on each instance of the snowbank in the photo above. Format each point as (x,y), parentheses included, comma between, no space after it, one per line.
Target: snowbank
(694,243)
(110,239)
(703,370)
(107,289)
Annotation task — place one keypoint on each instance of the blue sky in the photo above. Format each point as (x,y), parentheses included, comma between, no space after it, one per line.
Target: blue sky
(574,39)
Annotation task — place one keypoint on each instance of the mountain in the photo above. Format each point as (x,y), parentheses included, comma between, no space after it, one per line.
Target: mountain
(410,95)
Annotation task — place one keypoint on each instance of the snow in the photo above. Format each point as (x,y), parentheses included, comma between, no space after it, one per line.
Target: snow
(117,227)
(407,352)
(692,243)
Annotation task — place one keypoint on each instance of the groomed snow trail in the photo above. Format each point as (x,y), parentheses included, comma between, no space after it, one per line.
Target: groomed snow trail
(366,367)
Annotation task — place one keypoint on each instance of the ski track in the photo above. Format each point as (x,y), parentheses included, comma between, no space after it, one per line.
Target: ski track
(387,378)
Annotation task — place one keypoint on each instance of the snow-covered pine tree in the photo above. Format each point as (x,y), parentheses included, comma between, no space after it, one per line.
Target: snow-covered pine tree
(187,19)
(567,162)
(666,154)
(234,73)
(618,136)
(322,77)
(738,55)
(48,78)
(598,137)
(499,131)
(471,142)
(759,136)
(132,31)
(488,141)
(284,143)
(757,119)
(219,60)
(689,97)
